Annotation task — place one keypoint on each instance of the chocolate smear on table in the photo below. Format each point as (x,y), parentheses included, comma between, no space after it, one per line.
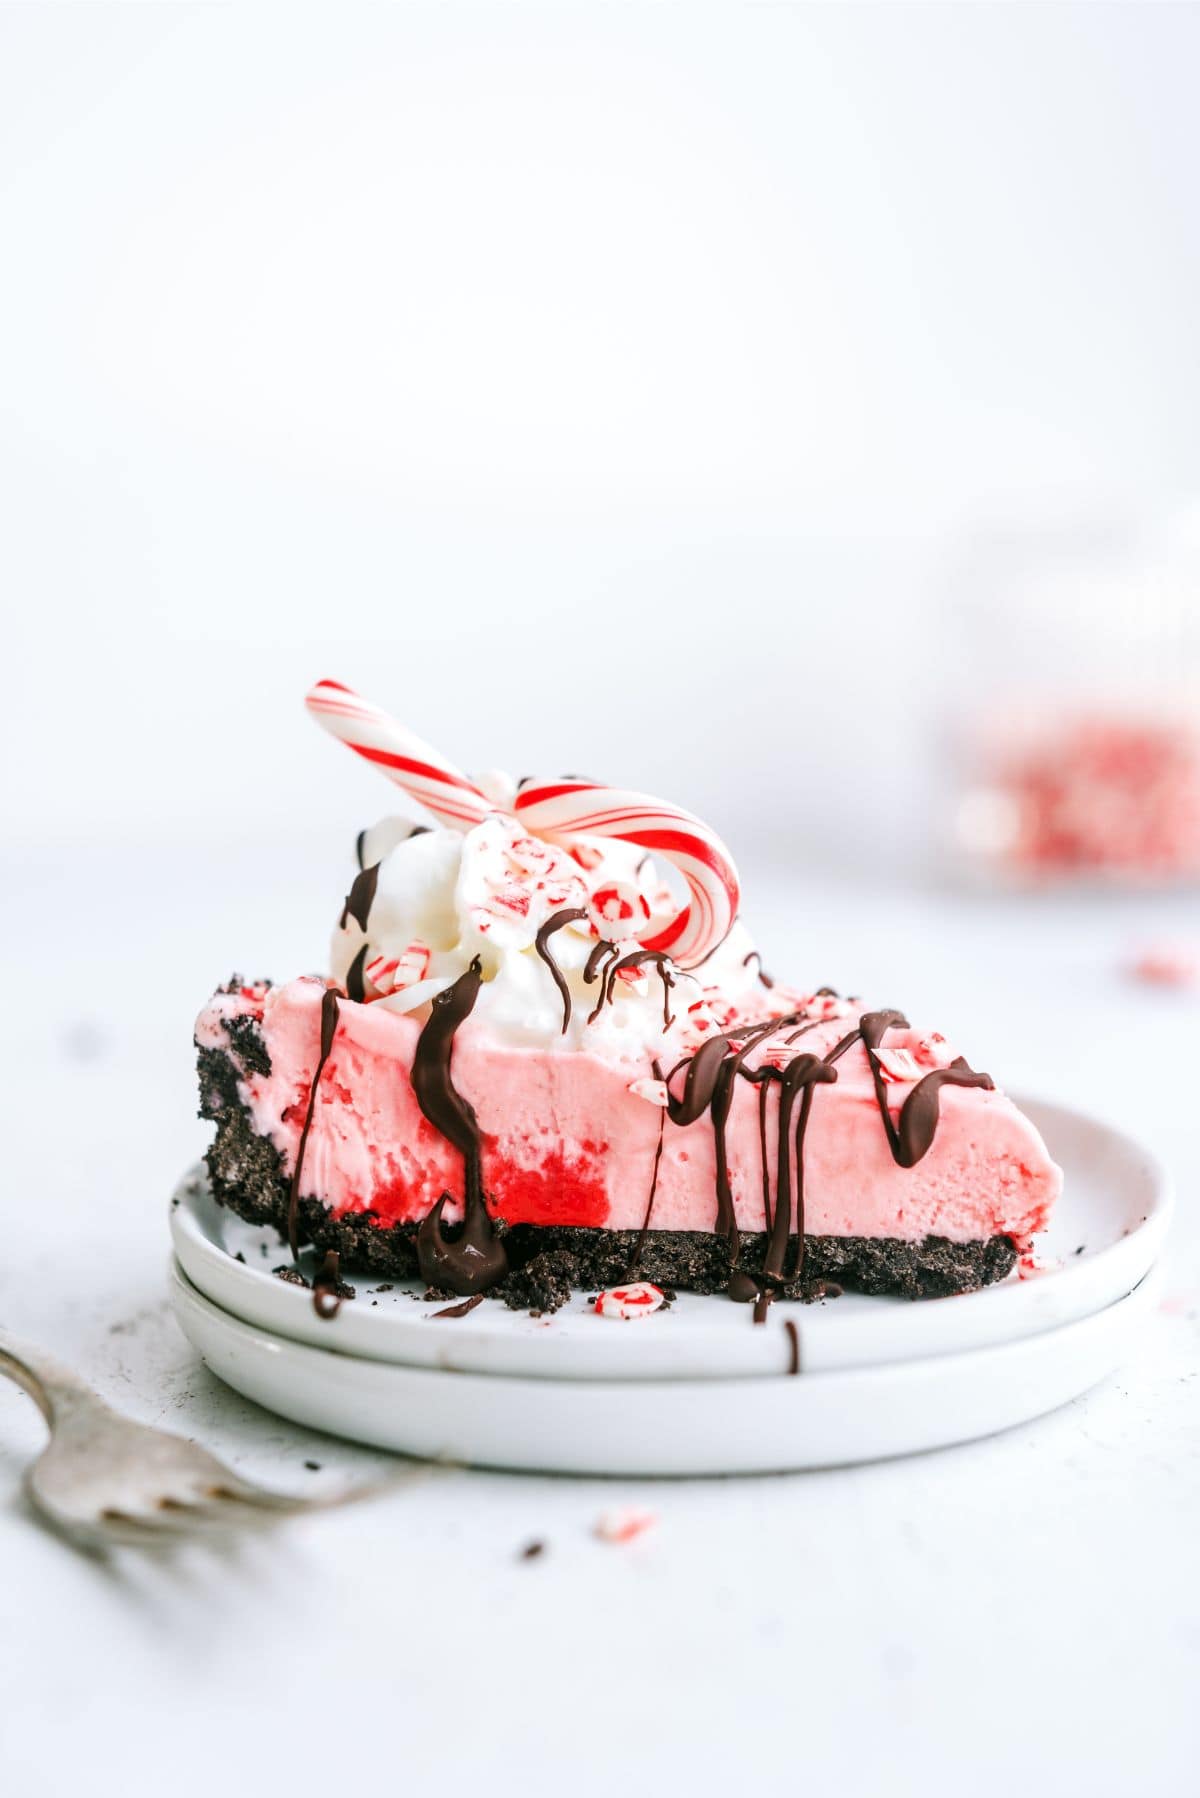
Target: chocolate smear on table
(476,1259)
(329,1023)
(361,897)
(571,914)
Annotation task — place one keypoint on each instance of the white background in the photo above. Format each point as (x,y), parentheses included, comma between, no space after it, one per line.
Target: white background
(602,387)
(647,390)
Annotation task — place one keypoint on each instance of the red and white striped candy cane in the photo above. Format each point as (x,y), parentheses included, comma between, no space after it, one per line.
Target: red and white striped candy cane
(425,775)
(563,809)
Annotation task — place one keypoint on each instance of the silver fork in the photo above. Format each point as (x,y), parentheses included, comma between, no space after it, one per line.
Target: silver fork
(103,1480)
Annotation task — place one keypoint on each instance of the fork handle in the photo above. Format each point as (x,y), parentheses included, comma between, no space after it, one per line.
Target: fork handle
(53,1387)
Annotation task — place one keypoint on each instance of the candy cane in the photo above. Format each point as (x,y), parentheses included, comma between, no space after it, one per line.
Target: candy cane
(425,775)
(564,809)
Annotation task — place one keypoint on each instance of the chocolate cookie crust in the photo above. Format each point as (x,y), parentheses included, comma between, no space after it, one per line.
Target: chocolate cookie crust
(548,1262)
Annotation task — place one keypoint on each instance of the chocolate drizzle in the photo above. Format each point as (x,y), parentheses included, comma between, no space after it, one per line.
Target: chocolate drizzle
(571,914)
(709,1086)
(595,968)
(329,1022)
(470,1259)
(606,962)
(327,1291)
(913,1136)
(764,979)
(476,1259)
(356,988)
(635,1258)
(361,897)
(797,1081)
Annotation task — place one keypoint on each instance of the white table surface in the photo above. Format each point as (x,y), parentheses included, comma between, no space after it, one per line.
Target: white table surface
(1020,1613)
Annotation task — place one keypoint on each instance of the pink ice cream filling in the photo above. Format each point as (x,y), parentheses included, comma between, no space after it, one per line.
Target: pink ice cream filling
(565,1141)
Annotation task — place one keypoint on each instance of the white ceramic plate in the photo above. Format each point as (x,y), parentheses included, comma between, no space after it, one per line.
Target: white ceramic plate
(1107,1229)
(638,1427)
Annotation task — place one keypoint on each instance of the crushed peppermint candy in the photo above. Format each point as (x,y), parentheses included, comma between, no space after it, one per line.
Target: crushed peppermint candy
(638,1300)
(623,1523)
(1033,1264)
(653,1091)
(382,972)
(617,909)
(391,974)
(933,1051)
(827,1005)
(510,882)
(898,1066)
(1167,964)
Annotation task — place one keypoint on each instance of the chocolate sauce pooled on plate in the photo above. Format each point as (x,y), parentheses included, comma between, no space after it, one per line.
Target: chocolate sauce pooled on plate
(477,1259)
(571,914)
(329,1021)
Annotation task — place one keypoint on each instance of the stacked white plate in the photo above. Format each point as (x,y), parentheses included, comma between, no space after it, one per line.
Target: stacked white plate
(698,1387)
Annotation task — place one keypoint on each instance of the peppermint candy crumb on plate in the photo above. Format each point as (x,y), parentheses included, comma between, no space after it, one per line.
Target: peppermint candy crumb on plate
(638,1300)
(1167,964)
(623,1523)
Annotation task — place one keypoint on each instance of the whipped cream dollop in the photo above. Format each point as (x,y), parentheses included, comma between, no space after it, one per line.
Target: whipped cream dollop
(442,897)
